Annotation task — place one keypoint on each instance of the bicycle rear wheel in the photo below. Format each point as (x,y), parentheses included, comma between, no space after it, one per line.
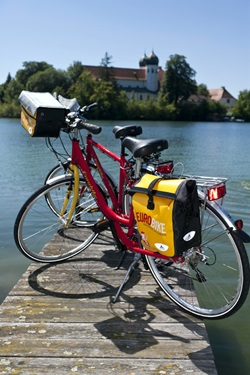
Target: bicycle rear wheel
(40,232)
(213,281)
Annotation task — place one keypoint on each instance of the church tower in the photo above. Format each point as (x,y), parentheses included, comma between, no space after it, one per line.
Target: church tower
(151,65)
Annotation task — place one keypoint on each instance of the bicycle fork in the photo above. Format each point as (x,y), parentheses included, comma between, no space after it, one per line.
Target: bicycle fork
(75,189)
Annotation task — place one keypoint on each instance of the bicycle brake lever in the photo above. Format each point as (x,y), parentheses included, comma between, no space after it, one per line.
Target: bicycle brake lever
(72,115)
(86,108)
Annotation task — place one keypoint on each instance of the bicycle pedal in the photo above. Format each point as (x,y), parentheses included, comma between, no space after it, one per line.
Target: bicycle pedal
(100,226)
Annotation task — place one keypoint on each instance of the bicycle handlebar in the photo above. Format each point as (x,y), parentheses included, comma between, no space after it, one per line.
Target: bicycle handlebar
(78,121)
(94,129)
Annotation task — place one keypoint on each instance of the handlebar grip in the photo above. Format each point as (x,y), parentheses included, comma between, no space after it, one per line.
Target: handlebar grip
(94,129)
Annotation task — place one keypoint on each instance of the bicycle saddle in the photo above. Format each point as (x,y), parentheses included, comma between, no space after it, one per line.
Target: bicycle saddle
(123,131)
(144,147)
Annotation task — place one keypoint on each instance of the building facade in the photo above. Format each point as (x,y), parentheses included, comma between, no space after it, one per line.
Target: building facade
(222,96)
(141,83)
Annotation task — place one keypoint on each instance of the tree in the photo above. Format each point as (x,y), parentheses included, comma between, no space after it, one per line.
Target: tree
(242,107)
(12,91)
(48,80)
(30,68)
(8,79)
(74,71)
(9,93)
(202,90)
(3,88)
(83,88)
(106,73)
(111,104)
(178,83)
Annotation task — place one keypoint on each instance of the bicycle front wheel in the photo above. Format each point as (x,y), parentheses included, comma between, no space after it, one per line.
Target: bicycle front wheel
(213,280)
(40,231)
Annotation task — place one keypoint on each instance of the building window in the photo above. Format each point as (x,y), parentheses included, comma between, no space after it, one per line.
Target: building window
(228,101)
(140,97)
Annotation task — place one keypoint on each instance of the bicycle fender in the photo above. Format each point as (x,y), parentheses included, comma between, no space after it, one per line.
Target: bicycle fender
(244,236)
(228,220)
(58,178)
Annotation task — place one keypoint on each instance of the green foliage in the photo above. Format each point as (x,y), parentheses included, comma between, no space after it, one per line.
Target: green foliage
(48,80)
(83,88)
(9,92)
(202,90)
(134,109)
(241,109)
(30,68)
(178,83)
(8,79)
(10,110)
(110,102)
(12,91)
(74,71)
(106,73)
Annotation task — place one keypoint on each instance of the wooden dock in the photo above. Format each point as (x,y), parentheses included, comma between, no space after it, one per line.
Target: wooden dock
(58,320)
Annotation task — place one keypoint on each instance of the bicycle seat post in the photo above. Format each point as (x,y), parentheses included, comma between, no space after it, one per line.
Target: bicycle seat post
(138,165)
(75,133)
(122,152)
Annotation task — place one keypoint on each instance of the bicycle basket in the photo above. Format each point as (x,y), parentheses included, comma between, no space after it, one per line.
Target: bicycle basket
(41,115)
(167,214)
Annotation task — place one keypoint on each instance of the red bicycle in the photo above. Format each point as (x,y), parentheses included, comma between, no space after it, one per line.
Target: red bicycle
(65,216)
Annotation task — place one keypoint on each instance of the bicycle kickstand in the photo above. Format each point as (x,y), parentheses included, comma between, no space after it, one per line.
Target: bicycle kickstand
(129,272)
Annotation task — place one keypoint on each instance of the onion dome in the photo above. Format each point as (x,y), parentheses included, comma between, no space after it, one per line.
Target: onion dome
(153,59)
(149,60)
(143,60)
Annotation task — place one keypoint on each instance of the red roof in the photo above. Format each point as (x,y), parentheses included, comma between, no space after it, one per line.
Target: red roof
(218,94)
(119,73)
(123,73)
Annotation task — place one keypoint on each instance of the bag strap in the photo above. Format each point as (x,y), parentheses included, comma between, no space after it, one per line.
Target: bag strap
(151,204)
(28,113)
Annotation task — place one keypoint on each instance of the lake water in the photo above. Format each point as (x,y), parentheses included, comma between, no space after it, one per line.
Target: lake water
(212,149)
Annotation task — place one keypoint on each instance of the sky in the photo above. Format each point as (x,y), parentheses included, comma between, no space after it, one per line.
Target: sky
(213,35)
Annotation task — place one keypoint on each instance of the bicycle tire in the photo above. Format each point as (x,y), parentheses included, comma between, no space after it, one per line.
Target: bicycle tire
(218,285)
(39,232)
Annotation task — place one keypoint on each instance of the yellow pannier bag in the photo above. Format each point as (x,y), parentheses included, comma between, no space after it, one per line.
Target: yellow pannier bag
(167,214)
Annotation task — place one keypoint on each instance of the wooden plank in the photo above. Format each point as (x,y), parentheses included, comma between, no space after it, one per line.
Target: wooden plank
(105,366)
(59,319)
(46,308)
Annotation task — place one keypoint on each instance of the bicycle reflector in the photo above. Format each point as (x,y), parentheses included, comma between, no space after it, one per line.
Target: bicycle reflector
(239,224)
(216,192)
(166,168)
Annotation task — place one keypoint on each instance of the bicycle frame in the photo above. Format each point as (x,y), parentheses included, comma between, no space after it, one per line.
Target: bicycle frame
(123,166)
(115,215)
